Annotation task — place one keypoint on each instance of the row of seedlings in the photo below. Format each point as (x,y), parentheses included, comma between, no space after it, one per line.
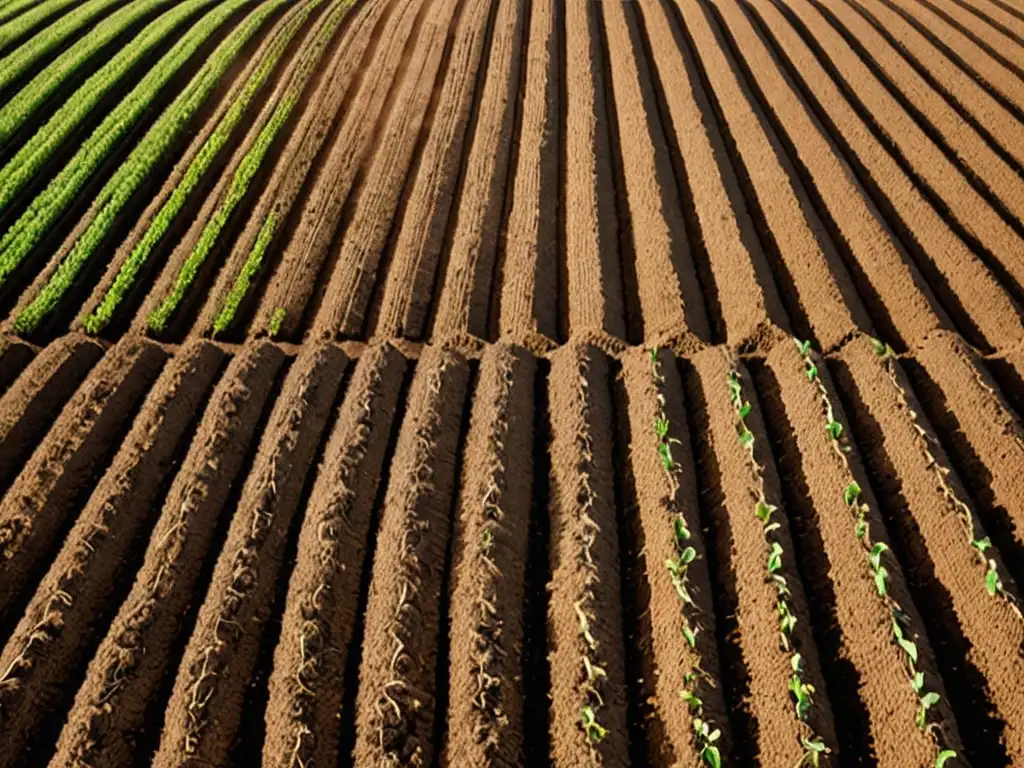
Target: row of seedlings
(884,569)
(146,157)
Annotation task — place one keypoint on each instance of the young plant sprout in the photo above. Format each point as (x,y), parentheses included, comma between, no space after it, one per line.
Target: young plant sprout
(705,734)
(801,692)
(876,551)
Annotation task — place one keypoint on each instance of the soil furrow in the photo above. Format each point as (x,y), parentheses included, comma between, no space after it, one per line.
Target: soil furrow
(174,179)
(15,355)
(588,688)
(671,304)
(1007,368)
(996,40)
(395,704)
(958,86)
(1002,77)
(970,292)
(29,407)
(464,286)
(973,620)
(593,277)
(838,528)
(423,222)
(347,295)
(203,714)
(121,685)
(743,288)
(757,566)
(308,679)
(983,166)
(982,434)
(823,289)
(529,290)
(61,623)
(489,567)
(309,246)
(668,599)
(41,499)
(896,293)
(999,16)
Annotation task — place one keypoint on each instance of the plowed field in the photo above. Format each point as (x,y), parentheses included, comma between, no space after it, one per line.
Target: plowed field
(464,383)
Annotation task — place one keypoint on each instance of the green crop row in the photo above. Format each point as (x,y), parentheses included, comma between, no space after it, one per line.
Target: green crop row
(705,732)
(800,690)
(26,101)
(979,544)
(874,552)
(247,169)
(254,261)
(34,223)
(15,29)
(201,163)
(139,164)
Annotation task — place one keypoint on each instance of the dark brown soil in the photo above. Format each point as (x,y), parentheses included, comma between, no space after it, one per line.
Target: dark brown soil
(125,674)
(489,561)
(202,716)
(308,678)
(395,706)
(41,500)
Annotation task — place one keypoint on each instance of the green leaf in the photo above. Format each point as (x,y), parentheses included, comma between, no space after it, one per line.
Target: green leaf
(775,557)
(835,429)
(745,410)
(881,580)
(691,636)
(851,493)
(992,582)
(688,555)
(812,372)
(712,756)
(982,544)
(817,745)
(795,662)
(918,682)
(909,647)
(595,732)
(861,529)
(876,554)
(880,347)
(944,757)
(930,699)
(681,531)
(692,699)
(803,346)
(764,511)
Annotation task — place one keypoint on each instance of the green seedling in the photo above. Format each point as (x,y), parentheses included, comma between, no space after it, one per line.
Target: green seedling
(801,692)
(851,493)
(596,733)
(775,557)
(925,703)
(880,347)
(276,321)
(835,429)
(813,750)
(944,757)
(690,635)
(764,511)
(692,700)
(682,533)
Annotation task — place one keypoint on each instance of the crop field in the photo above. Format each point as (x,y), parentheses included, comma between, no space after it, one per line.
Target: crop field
(492,383)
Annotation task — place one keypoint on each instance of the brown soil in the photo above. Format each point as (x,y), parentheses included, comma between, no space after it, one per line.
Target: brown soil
(465,293)
(28,409)
(932,522)
(395,706)
(308,678)
(202,716)
(971,292)
(60,623)
(308,246)
(765,724)
(819,283)
(528,310)
(41,499)
(347,296)
(661,498)
(866,672)
(970,95)
(489,561)
(982,434)
(422,225)
(585,610)
(970,149)
(125,674)
(145,219)
(15,355)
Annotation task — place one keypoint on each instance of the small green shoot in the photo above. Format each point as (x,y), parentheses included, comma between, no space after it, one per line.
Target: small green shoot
(944,757)
(851,493)
(596,733)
